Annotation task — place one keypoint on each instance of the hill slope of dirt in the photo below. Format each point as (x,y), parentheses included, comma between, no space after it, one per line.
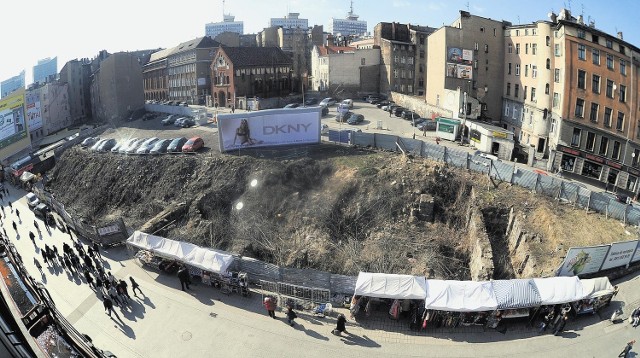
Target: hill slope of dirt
(345,212)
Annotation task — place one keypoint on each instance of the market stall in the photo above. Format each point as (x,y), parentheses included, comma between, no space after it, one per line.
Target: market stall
(402,294)
(558,290)
(598,293)
(452,303)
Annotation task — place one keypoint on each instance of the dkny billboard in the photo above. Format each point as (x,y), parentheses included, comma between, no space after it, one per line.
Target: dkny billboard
(272,127)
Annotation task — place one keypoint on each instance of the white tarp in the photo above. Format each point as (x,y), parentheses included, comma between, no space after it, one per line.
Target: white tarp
(177,250)
(144,241)
(596,287)
(384,285)
(210,260)
(460,296)
(556,290)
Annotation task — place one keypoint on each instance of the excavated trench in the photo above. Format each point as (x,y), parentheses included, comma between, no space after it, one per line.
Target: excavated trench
(496,220)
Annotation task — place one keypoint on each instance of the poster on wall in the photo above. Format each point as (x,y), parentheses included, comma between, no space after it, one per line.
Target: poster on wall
(583,260)
(620,254)
(34,114)
(459,62)
(12,127)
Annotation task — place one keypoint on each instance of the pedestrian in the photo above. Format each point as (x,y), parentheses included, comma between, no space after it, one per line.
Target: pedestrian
(69,231)
(270,304)
(122,295)
(627,349)
(233,109)
(113,293)
(96,249)
(44,257)
(35,224)
(135,286)
(125,288)
(635,317)
(67,263)
(5,232)
(38,266)
(15,227)
(390,112)
(341,325)
(99,284)
(291,315)
(32,236)
(89,279)
(108,306)
(18,213)
(10,206)
(183,275)
(55,250)
(88,262)
(96,261)
(560,326)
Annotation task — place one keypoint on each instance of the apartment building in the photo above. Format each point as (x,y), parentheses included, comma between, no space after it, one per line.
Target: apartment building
(188,71)
(345,71)
(155,76)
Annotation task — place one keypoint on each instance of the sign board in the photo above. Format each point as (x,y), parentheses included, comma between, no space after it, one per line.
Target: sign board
(583,260)
(459,63)
(272,127)
(620,254)
(475,135)
(636,256)
(497,134)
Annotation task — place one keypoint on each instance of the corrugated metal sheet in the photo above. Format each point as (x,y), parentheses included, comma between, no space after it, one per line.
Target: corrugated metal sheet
(259,270)
(342,284)
(306,277)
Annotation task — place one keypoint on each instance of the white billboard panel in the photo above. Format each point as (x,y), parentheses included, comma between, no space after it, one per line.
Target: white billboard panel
(12,127)
(620,254)
(34,115)
(583,260)
(271,127)
(636,256)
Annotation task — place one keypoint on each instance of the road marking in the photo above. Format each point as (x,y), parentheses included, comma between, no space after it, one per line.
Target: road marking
(82,308)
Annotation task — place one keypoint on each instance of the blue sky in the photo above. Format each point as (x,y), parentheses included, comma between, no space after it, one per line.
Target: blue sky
(74,29)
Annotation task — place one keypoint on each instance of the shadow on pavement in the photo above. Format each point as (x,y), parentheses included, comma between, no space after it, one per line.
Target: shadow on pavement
(364,341)
(310,333)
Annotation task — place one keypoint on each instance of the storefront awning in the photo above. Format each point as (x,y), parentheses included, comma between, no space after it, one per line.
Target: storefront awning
(597,287)
(460,296)
(518,293)
(383,285)
(556,290)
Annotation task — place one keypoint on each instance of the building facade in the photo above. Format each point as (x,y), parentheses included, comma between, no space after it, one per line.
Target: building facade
(46,70)
(47,109)
(77,75)
(14,141)
(116,88)
(349,25)
(188,70)
(242,72)
(12,84)
(292,20)
(228,24)
(345,71)
(155,76)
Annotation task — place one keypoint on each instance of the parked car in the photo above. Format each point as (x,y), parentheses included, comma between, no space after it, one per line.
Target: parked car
(131,148)
(375,100)
(193,144)
(325,111)
(116,147)
(409,115)
(384,103)
(355,119)
(160,146)
(107,145)
(146,146)
(328,102)
(398,111)
(32,200)
(391,107)
(429,124)
(417,121)
(176,145)
(169,120)
(188,122)
(292,105)
(88,142)
(372,97)
(311,101)
(123,147)
(178,122)
(94,147)
(343,117)
(183,104)
(348,103)
(485,155)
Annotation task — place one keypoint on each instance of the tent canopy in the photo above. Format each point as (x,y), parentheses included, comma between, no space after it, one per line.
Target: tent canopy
(384,285)
(597,287)
(518,293)
(460,296)
(556,290)
(206,259)
(26,176)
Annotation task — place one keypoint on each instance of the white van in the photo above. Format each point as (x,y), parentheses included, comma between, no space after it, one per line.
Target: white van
(32,200)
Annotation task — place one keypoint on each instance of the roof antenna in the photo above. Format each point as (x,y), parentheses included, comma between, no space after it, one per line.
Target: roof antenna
(468,6)
(222,8)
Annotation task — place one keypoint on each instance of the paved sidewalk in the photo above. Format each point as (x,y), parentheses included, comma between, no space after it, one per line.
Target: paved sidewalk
(168,322)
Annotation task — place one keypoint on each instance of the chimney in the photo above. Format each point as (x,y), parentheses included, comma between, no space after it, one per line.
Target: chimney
(620,35)
(580,19)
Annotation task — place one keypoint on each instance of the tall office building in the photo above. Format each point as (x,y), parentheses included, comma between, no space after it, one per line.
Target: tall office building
(290,21)
(12,84)
(45,70)
(228,24)
(349,26)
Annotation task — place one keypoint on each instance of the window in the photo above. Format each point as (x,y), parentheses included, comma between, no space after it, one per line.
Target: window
(620,121)
(475,64)
(546,88)
(579,108)
(534,71)
(548,63)
(526,70)
(610,62)
(607,116)
(526,49)
(509,68)
(517,49)
(556,99)
(581,34)
(616,150)
(604,145)
(517,69)
(395,73)
(621,49)
(590,145)
(556,51)
(582,52)
(595,57)
(595,83)
(622,96)
(623,67)
(593,115)
(608,43)
(533,94)
(486,48)
(516,90)
(636,157)
(524,91)
(510,48)
(508,88)
(362,61)
(556,75)
(609,88)
(515,113)
(575,137)
(396,58)
(534,49)
(582,79)
(517,32)
(548,40)
(553,125)
(506,110)
(594,38)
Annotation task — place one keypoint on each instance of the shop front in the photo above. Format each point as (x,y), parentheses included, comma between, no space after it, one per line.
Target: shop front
(491,139)
(447,128)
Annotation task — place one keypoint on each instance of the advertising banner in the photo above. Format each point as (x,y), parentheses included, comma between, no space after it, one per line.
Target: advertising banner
(636,256)
(459,62)
(583,260)
(34,115)
(265,128)
(620,254)
(12,127)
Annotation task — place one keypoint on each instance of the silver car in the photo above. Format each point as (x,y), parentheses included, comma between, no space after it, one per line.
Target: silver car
(123,147)
(146,145)
(131,148)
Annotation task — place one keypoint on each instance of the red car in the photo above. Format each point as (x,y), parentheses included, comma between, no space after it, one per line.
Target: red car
(192,145)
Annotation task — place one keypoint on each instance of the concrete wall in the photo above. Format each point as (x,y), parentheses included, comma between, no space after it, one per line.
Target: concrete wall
(519,251)
(480,252)
(418,104)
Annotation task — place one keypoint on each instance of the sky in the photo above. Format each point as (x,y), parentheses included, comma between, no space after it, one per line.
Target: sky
(71,29)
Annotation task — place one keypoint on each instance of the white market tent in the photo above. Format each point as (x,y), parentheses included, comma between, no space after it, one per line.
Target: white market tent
(206,259)
(516,293)
(384,285)
(596,287)
(460,296)
(556,290)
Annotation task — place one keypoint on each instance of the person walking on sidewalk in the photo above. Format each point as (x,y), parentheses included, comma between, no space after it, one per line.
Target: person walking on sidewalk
(96,250)
(183,275)
(37,264)
(10,206)
(560,326)
(114,295)
(32,236)
(135,286)
(627,349)
(15,227)
(18,214)
(635,317)
(108,306)
(291,315)
(341,325)
(89,279)
(270,304)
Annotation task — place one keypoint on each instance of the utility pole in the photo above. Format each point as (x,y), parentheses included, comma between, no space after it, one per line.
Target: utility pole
(464,117)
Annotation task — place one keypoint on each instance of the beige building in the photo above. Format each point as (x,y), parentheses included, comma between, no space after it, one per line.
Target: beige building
(344,71)
(51,103)
(466,57)
(188,70)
